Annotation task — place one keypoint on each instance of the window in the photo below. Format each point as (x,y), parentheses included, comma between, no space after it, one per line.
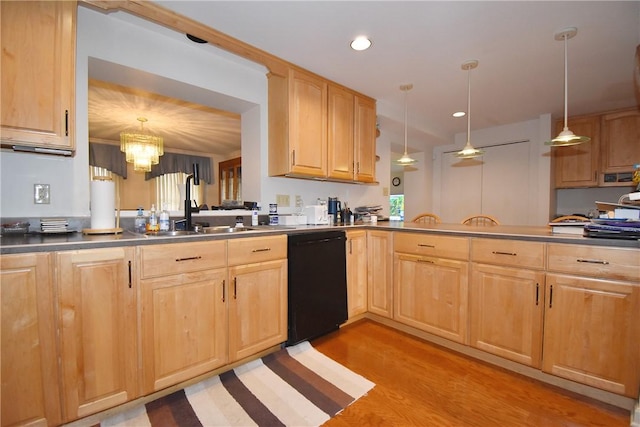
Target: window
(396,211)
(170,189)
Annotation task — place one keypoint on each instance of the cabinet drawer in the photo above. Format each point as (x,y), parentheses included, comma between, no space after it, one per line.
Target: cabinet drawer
(508,252)
(176,258)
(257,249)
(431,245)
(596,262)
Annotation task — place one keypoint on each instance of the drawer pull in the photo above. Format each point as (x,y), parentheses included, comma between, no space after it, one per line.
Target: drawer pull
(188,258)
(424,245)
(504,253)
(428,261)
(223,289)
(593,261)
(550,296)
(129,274)
(261,250)
(235,288)
(537,292)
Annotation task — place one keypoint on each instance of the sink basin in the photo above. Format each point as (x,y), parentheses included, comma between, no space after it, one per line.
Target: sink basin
(169,233)
(225,229)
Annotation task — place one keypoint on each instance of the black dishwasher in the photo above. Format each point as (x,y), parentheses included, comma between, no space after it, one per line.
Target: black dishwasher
(317,284)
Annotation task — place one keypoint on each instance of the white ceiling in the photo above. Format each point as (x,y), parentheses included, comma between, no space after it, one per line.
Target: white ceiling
(520,74)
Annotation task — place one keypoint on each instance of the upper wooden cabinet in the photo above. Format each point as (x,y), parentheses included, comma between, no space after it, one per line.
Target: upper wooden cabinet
(318,129)
(608,159)
(38,73)
(577,165)
(620,146)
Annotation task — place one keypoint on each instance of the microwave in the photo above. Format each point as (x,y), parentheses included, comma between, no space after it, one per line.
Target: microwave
(317,214)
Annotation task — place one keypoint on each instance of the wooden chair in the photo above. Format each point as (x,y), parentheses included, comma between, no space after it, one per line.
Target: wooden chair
(427,218)
(571,218)
(480,220)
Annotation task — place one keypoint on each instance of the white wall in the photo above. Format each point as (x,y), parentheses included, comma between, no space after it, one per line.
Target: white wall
(129,41)
(533,190)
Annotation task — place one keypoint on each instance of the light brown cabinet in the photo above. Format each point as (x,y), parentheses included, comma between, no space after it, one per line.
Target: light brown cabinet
(380,272)
(30,391)
(318,129)
(431,289)
(507,298)
(356,272)
(257,294)
(38,73)
(578,165)
(608,159)
(297,125)
(591,331)
(184,313)
(98,329)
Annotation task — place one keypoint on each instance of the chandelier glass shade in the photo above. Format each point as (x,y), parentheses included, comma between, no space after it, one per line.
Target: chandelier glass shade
(142,149)
(468,151)
(405,160)
(566,138)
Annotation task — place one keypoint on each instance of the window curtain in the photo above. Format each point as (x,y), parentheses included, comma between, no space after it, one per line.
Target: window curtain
(173,163)
(108,157)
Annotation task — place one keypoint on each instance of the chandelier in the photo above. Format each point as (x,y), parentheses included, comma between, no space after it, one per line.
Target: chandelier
(142,149)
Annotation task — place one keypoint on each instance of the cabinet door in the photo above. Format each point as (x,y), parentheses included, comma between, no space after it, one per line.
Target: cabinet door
(308,124)
(257,307)
(38,58)
(506,312)
(577,165)
(340,134)
(620,141)
(98,336)
(591,332)
(30,393)
(380,272)
(365,140)
(184,327)
(356,272)
(431,294)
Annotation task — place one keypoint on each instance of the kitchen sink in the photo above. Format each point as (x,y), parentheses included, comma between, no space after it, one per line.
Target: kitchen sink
(224,229)
(169,233)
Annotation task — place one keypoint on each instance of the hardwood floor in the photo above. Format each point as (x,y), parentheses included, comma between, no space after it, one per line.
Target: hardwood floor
(421,384)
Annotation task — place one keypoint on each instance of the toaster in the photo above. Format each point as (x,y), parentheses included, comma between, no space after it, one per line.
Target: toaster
(317,214)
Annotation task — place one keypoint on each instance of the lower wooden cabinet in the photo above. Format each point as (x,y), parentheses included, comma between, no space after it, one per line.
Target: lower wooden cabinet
(356,272)
(380,272)
(506,306)
(30,392)
(257,294)
(98,329)
(592,332)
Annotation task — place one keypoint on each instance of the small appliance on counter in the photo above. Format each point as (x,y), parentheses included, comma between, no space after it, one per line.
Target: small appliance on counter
(317,214)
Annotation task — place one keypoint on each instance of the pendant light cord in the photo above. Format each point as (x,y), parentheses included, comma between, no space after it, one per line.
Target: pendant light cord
(469,106)
(566,92)
(405,122)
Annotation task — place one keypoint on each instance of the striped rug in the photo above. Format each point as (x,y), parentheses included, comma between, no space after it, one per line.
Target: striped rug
(296,386)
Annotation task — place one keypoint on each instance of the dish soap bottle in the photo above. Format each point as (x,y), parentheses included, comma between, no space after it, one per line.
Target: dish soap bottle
(152,225)
(164,218)
(140,224)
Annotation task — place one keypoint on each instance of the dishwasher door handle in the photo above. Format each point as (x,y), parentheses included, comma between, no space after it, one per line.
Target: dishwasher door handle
(315,242)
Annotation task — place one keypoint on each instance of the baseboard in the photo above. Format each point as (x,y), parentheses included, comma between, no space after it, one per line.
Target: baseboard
(581,389)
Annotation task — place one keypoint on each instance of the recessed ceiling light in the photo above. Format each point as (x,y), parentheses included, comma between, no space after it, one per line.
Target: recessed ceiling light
(459,114)
(361,43)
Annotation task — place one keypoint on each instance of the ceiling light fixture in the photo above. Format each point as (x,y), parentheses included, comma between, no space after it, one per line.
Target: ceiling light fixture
(566,137)
(405,160)
(468,152)
(361,43)
(142,149)
(459,114)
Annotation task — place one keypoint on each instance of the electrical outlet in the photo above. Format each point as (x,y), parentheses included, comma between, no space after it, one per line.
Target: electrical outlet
(41,194)
(385,191)
(283,200)
(299,202)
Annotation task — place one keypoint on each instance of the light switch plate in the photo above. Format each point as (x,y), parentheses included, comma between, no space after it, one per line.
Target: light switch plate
(41,194)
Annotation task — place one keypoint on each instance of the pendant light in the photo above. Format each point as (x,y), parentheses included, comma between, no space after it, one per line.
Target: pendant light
(405,160)
(468,152)
(566,137)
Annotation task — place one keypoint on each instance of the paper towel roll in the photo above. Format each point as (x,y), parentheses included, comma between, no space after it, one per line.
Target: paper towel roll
(103,204)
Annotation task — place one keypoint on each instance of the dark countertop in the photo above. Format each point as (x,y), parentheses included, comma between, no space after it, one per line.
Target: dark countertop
(73,241)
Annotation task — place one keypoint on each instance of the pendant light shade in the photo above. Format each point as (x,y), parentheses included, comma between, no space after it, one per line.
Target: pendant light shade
(469,152)
(405,160)
(566,137)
